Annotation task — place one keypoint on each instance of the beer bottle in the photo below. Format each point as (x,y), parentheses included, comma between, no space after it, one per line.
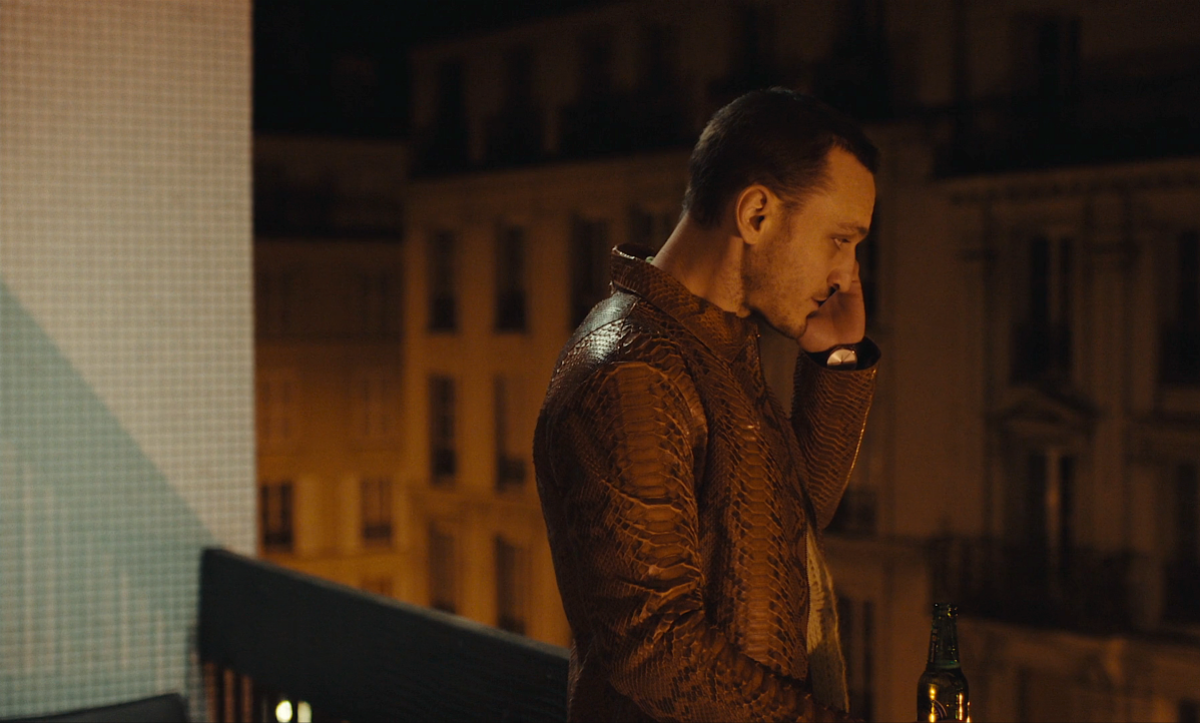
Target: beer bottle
(942,691)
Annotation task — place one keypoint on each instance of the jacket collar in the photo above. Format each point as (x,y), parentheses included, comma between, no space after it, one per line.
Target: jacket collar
(725,333)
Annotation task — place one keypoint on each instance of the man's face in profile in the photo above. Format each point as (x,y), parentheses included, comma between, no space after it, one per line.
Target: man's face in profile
(789,275)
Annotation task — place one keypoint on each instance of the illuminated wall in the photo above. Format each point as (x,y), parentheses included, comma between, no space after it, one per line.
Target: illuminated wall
(126,356)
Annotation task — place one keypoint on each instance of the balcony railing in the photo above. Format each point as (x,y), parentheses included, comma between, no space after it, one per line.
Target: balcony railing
(1102,120)
(268,634)
(1070,588)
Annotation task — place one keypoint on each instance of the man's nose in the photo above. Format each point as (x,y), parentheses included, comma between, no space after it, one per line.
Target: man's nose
(842,274)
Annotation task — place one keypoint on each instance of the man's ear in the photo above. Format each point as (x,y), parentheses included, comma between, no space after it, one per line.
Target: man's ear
(753,211)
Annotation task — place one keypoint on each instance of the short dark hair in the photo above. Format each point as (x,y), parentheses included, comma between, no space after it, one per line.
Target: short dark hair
(776,137)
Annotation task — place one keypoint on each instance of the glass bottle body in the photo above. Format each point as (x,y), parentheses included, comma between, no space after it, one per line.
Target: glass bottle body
(943,695)
(942,691)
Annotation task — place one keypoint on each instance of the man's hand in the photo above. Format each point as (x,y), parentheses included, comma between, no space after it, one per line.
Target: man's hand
(842,319)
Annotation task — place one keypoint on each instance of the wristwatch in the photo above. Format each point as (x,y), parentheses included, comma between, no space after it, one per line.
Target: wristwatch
(842,356)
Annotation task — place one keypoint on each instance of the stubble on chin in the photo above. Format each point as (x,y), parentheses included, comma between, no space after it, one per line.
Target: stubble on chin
(764,298)
(790,327)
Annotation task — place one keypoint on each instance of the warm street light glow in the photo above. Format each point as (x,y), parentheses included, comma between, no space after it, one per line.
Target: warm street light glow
(283,711)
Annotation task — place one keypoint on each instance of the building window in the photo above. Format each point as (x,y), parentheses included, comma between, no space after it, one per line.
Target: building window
(376,504)
(1042,337)
(372,406)
(856,621)
(442,432)
(590,248)
(514,134)
(451,101)
(1189,711)
(1183,566)
(756,26)
(510,458)
(1181,332)
(518,77)
(1187,513)
(276,411)
(659,58)
(648,228)
(1045,58)
(378,585)
(855,514)
(443,570)
(596,65)
(1041,519)
(276,303)
(512,582)
(443,281)
(275,509)
(867,255)
(446,146)
(510,279)
(377,303)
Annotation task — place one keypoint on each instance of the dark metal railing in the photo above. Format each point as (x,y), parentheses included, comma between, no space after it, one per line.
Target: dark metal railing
(1103,120)
(1069,588)
(268,634)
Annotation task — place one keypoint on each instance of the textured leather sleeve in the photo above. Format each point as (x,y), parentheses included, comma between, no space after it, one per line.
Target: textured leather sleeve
(625,461)
(829,414)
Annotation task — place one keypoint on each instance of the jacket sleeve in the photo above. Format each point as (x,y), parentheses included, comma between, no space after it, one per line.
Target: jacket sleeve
(829,414)
(624,463)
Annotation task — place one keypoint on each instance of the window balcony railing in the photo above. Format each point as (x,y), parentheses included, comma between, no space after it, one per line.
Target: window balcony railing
(268,634)
(1070,588)
(1101,120)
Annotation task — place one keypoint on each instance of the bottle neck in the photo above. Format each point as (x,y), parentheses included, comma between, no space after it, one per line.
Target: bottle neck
(943,641)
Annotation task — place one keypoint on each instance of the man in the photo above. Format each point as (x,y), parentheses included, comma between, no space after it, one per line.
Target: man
(683,506)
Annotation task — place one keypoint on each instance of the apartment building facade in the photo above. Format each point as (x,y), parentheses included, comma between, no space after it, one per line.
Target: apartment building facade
(327,259)
(1032,281)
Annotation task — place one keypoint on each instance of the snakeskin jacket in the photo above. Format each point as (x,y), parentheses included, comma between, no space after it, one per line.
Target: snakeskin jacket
(676,492)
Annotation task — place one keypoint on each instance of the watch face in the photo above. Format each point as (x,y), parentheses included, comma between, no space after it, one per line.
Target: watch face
(842,358)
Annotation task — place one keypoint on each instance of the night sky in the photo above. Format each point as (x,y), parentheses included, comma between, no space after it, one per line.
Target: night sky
(339,67)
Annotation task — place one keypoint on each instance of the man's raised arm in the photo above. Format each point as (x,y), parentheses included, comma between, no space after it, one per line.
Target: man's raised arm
(829,414)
